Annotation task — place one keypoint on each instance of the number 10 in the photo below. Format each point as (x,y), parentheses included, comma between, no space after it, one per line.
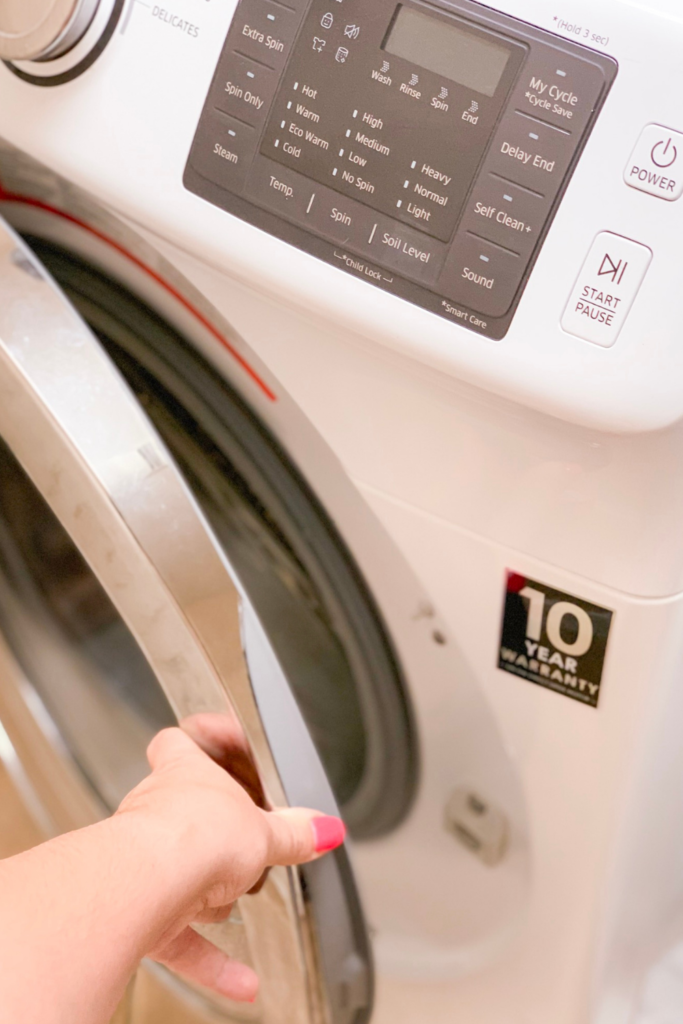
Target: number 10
(554,620)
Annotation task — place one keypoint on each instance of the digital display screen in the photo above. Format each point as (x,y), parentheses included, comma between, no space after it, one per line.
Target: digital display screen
(449,50)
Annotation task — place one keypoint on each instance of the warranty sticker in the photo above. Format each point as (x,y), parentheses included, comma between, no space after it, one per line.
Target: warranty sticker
(553,639)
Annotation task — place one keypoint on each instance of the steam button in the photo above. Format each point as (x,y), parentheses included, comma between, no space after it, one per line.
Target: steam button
(656,163)
(223,151)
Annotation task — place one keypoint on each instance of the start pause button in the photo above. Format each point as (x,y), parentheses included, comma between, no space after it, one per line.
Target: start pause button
(605,289)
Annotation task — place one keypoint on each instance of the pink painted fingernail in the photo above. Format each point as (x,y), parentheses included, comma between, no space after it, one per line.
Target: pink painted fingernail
(329,833)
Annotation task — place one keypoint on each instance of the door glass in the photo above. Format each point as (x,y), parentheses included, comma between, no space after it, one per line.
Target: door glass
(72,643)
(307,591)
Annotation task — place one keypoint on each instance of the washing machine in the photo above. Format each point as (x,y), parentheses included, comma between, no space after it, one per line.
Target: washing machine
(340,396)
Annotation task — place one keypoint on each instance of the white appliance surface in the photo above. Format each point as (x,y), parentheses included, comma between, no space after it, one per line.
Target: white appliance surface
(541,453)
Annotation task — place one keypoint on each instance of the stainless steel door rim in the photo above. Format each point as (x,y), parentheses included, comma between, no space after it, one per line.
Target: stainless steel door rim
(79,434)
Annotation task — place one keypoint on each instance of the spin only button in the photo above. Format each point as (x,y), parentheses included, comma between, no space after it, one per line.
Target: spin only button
(244,89)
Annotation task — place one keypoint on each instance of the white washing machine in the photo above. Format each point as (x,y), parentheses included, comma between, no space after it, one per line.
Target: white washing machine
(340,388)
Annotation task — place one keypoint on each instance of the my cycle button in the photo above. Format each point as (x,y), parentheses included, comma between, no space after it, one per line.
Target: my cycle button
(656,164)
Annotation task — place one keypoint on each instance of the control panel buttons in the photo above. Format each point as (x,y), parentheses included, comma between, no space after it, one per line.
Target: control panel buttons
(308,204)
(656,163)
(411,253)
(223,151)
(556,88)
(605,289)
(244,89)
(531,153)
(431,194)
(287,193)
(481,276)
(348,133)
(507,214)
(339,218)
(334,34)
(265,31)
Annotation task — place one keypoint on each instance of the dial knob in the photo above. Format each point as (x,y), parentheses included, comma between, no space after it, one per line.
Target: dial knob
(42,29)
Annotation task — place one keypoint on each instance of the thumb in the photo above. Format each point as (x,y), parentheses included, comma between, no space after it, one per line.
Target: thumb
(298,835)
(171,745)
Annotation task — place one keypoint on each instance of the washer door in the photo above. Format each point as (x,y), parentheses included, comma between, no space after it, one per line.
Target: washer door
(122,614)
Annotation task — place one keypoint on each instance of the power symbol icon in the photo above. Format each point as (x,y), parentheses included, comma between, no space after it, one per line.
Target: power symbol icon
(664,154)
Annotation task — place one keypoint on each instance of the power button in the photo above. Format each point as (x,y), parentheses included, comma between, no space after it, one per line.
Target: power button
(656,163)
(664,153)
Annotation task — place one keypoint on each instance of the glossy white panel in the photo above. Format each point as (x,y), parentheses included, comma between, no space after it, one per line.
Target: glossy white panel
(97,131)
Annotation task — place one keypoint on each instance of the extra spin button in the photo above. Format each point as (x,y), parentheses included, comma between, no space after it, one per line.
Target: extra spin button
(656,164)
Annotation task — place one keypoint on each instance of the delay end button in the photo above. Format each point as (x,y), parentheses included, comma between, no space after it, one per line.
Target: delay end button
(605,289)
(656,164)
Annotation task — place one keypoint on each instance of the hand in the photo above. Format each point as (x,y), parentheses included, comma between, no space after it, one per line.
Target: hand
(224,842)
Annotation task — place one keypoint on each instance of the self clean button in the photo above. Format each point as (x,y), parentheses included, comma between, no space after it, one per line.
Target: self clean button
(656,164)
(504,213)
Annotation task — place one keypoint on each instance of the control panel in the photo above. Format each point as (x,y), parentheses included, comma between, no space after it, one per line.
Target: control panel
(421,147)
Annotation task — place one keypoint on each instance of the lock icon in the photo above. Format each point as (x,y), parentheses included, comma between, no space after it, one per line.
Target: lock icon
(327,20)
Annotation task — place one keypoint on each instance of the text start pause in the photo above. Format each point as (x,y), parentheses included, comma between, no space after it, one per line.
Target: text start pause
(605,289)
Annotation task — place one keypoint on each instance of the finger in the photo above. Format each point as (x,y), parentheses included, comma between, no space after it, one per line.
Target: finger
(200,961)
(217,734)
(171,745)
(255,889)
(221,737)
(298,836)
(214,915)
